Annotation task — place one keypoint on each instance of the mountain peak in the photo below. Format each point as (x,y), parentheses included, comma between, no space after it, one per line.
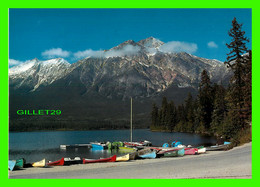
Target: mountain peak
(54,61)
(151,42)
(35,60)
(23,67)
(128,42)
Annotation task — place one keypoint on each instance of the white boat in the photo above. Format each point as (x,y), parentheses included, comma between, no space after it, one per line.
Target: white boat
(202,150)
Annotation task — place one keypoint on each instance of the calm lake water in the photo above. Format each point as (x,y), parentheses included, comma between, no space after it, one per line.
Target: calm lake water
(34,146)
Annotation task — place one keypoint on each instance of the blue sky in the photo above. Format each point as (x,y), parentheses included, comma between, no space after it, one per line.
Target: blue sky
(49,33)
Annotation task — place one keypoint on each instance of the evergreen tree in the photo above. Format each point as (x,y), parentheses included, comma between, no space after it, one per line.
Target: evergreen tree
(155,115)
(197,118)
(189,112)
(180,119)
(205,100)
(236,62)
(172,116)
(164,110)
(219,111)
(247,89)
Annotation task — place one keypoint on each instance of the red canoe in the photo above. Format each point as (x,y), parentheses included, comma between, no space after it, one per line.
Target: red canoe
(110,159)
(57,163)
(190,151)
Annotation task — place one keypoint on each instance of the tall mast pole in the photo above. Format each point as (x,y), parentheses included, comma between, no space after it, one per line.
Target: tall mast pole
(131,120)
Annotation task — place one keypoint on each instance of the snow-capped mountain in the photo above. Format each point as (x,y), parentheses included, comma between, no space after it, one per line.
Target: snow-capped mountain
(127,70)
(99,87)
(32,74)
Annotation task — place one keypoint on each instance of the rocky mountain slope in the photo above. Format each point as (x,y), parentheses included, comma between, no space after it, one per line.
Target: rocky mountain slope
(100,86)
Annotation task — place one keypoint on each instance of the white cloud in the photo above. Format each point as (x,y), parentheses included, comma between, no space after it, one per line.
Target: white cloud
(13,62)
(126,50)
(88,52)
(212,44)
(177,46)
(55,52)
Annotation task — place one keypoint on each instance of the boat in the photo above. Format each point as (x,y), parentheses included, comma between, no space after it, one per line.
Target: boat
(175,144)
(171,153)
(114,145)
(98,145)
(227,143)
(165,145)
(41,163)
(218,147)
(126,149)
(11,164)
(181,146)
(110,159)
(148,155)
(190,151)
(19,163)
(133,144)
(145,151)
(144,143)
(69,161)
(165,150)
(181,152)
(123,158)
(133,155)
(56,163)
(155,148)
(202,150)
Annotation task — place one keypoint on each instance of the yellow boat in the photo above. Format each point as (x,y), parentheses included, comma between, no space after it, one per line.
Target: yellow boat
(122,158)
(126,149)
(41,163)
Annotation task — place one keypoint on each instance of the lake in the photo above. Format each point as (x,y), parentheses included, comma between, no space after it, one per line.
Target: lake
(34,146)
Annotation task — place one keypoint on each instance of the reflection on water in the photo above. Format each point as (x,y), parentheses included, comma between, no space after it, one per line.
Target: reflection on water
(34,146)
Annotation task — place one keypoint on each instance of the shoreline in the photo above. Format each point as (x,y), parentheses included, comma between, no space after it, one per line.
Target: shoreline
(234,163)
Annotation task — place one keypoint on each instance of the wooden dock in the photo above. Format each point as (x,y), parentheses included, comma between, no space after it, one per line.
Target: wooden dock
(64,147)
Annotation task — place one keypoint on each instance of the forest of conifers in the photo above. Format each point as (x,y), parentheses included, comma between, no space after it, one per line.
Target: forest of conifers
(216,110)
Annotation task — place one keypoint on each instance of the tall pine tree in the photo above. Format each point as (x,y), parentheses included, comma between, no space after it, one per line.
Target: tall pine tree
(219,111)
(247,89)
(189,111)
(236,61)
(205,100)
(155,116)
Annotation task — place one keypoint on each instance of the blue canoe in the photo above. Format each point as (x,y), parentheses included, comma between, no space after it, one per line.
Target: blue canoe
(11,164)
(148,155)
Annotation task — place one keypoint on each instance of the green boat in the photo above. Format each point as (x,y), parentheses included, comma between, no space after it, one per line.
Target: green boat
(19,163)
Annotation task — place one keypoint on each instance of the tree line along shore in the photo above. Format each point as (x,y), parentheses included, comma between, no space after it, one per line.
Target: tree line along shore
(217,110)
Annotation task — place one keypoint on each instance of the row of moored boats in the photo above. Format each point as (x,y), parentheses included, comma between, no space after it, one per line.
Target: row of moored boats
(135,150)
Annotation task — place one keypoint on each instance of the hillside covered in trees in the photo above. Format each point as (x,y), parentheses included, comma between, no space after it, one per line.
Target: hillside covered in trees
(216,110)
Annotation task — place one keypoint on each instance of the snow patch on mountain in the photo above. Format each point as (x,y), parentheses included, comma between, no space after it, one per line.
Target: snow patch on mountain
(23,67)
(35,73)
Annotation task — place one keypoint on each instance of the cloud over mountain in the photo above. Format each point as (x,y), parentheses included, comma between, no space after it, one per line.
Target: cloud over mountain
(55,52)
(13,62)
(177,46)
